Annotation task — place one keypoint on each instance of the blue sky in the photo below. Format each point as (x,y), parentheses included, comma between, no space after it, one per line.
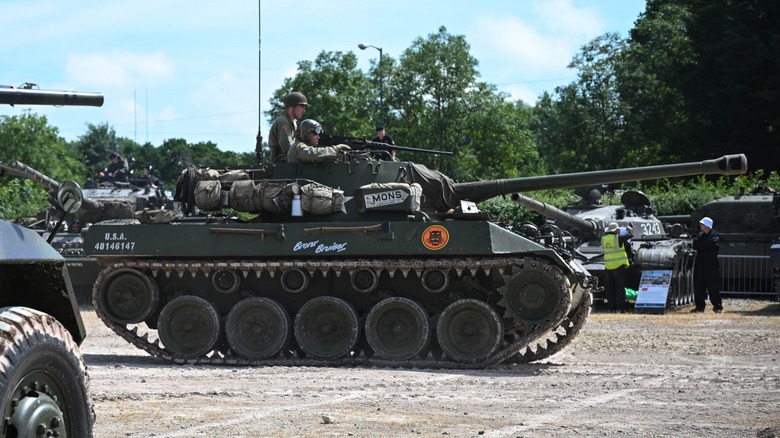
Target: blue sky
(186,69)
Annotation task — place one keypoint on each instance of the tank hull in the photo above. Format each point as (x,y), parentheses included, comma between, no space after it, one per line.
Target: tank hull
(433,267)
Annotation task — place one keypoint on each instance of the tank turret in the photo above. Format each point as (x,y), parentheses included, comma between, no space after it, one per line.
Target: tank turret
(354,261)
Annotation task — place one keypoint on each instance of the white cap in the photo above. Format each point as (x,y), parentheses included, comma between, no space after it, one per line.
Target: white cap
(611,227)
(707,222)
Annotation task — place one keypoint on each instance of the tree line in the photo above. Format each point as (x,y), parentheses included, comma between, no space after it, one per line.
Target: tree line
(692,80)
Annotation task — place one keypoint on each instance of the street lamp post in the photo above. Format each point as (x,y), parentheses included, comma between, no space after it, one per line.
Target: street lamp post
(381,81)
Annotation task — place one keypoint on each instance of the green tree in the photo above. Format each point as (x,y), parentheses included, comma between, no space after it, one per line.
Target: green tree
(96,145)
(656,55)
(733,91)
(496,138)
(30,139)
(584,129)
(337,92)
(428,93)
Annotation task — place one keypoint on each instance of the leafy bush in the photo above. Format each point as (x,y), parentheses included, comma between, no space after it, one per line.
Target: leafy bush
(21,198)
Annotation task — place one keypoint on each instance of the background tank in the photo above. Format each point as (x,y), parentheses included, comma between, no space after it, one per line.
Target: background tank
(107,200)
(654,245)
(749,227)
(653,248)
(349,262)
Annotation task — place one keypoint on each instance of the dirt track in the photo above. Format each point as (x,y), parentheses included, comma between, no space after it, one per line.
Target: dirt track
(676,374)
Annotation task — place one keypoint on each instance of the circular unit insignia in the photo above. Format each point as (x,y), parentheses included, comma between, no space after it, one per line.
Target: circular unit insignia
(435,237)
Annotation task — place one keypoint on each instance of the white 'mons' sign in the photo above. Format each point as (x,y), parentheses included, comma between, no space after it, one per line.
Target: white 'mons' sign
(380,199)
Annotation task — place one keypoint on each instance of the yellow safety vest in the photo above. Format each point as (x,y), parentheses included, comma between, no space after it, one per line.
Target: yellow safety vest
(614,253)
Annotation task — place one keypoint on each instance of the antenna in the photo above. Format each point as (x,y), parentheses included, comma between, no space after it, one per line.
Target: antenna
(146,111)
(259,156)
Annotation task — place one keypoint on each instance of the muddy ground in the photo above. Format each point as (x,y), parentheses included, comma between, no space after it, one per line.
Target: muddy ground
(677,374)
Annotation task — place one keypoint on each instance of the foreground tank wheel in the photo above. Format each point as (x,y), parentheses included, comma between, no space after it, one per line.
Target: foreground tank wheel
(469,331)
(398,328)
(226,281)
(327,328)
(127,296)
(533,292)
(435,280)
(44,388)
(295,280)
(258,328)
(189,326)
(364,280)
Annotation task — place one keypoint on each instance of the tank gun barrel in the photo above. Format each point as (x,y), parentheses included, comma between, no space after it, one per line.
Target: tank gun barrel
(735,164)
(21,170)
(551,212)
(29,96)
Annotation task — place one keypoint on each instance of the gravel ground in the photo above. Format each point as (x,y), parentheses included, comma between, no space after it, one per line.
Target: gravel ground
(676,374)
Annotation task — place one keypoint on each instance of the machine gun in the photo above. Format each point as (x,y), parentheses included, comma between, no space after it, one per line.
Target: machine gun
(29,94)
(363,144)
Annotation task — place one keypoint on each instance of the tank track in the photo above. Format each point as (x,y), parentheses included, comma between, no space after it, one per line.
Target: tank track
(560,336)
(516,341)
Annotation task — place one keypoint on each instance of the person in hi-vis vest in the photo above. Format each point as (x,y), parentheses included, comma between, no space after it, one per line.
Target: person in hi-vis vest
(615,262)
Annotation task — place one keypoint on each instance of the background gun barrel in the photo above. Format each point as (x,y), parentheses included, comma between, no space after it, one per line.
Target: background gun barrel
(21,170)
(735,164)
(25,96)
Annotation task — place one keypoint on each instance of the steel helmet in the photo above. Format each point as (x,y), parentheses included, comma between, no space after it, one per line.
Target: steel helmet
(295,98)
(307,127)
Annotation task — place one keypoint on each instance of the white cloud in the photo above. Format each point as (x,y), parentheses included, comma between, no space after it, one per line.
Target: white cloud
(119,69)
(528,49)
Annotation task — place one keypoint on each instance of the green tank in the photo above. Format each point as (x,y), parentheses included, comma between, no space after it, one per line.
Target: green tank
(749,227)
(359,261)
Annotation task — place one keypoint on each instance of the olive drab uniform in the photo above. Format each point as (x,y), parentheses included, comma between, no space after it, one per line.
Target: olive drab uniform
(282,136)
(615,262)
(305,148)
(303,153)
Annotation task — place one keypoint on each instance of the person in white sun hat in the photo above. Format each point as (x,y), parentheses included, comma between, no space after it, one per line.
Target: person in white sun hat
(706,271)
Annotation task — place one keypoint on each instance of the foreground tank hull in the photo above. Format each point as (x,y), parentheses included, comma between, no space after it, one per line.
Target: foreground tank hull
(383,294)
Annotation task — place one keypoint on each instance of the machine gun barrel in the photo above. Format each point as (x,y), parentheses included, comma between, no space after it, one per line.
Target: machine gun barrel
(359,143)
(29,96)
(479,191)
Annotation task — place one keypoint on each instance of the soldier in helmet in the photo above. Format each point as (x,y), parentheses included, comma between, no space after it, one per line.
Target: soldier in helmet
(117,170)
(305,148)
(282,134)
(153,181)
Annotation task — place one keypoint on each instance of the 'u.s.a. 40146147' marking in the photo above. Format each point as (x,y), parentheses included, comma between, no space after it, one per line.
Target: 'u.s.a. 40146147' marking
(115,242)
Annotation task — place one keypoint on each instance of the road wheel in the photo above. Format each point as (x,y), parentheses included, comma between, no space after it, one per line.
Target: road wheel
(469,331)
(43,379)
